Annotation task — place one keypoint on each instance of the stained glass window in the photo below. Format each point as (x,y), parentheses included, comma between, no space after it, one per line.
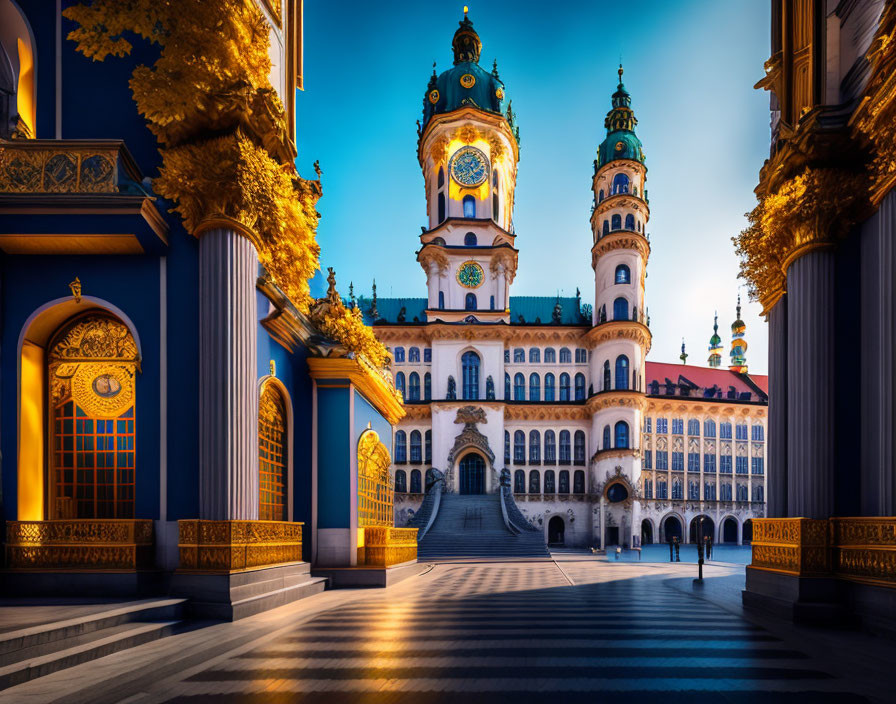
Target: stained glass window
(272,455)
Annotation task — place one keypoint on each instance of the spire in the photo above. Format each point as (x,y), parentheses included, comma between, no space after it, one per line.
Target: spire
(715,344)
(621,141)
(466,44)
(684,355)
(738,343)
(374,313)
(495,69)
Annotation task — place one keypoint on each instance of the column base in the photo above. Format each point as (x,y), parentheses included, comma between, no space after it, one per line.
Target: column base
(806,600)
(351,577)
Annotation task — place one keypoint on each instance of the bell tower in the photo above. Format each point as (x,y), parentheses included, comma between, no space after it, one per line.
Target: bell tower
(620,337)
(468,149)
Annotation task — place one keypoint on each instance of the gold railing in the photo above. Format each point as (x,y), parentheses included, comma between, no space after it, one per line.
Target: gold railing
(381,546)
(78,544)
(63,166)
(230,546)
(856,549)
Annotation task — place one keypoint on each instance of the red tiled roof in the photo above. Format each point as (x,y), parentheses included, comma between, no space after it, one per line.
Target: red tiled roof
(704,377)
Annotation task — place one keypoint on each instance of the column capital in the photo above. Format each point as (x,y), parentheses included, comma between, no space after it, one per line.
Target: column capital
(223,222)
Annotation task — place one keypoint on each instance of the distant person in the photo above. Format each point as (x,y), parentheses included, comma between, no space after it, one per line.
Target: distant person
(708,545)
(671,549)
(677,544)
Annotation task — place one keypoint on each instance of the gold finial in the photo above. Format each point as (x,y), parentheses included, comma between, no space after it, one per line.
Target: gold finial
(620,72)
(273,368)
(75,286)
(466,10)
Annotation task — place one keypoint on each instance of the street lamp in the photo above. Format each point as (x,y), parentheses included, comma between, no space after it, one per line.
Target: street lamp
(699,579)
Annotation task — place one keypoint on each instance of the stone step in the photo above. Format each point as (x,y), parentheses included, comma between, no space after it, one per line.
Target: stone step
(97,644)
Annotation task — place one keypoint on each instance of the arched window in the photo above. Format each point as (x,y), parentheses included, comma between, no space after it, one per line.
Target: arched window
(399,382)
(427,447)
(441,300)
(399,355)
(630,222)
(578,447)
(725,431)
(549,387)
(606,445)
(416,482)
(620,309)
(564,387)
(694,427)
(550,356)
(519,482)
(272,455)
(600,195)
(565,356)
(581,356)
(441,181)
(534,355)
(606,228)
(623,274)
(620,183)
(427,386)
(519,355)
(564,482)
(534,482)
(519,447)
(489,388)
(441,201)
(414,355)
(414,387)
(401,446)
(616,222)
(470,365)
(549,484)
(580,387)
(401,481)
(565,449)
(470,301)
(607,375)
(470,239)
(550,447)
(416,447)
(495,199)
(621,372)
(709,428)
(507,386)
(506,447)
(534,447)
(621,434)
(534,387)
(469,207)
(578,482)
(519,387)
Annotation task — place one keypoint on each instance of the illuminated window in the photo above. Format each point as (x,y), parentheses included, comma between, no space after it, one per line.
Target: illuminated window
(375,490)
(272,455)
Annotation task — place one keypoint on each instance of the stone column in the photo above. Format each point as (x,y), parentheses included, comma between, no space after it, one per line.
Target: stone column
(432,282)
(810,388)
(603,523)
(776,443)
(501,297)
(228,388)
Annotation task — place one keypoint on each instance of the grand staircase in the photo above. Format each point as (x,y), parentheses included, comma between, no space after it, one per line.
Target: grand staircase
(474,526)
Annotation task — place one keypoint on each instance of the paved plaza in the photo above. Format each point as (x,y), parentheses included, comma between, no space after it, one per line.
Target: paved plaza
(572,629)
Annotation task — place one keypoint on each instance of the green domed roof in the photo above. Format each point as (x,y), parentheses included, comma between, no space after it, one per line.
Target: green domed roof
(621,141)
(466,83)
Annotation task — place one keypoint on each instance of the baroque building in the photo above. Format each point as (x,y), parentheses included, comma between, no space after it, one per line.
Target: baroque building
(169,387)
(819,256)
(551,398)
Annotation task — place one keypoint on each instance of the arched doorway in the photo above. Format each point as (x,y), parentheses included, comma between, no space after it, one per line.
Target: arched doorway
(729,530)
(646,532)
(556,530)
(709,528)
(273,455)
(672,528)
(472,474)
(747,537)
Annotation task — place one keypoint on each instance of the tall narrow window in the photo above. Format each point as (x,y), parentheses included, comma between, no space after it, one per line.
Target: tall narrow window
(495,199)
(534,387)
(550,355)
(549,482)
(578,454)
(620,309)
(519,387)
(550,447)
(470,364)
(416,447)
(606,228)
(629,222)
(401,447)
(506,447)
(441,300)
(469,207)
(565,356)
(470,301)
(399,382)
(580,387)
(616,222)
(506,386)
(416,482)
(519,447)
(272,455)
(427,386)
(578,482)
(548,387)
(401,481)
(535,358)
(623,274)
(606,445)
(534,447)
(427,447)
(519,481)
(622,372)
(441,201)
(607,375)
(620,183)
(564,387)
(414,387)
(564,481)
(621,435)
(414,355)
(565,453)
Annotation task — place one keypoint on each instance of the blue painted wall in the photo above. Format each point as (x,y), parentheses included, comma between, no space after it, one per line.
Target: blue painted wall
(333,457)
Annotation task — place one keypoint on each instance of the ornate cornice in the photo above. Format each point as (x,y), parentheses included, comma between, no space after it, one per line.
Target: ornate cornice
(620,200)
(709,406)
(545,412)
(620,239)
(436,122)
(633,164)
(619,330)
(522,334)
(417,411)
(616,399)
(374,388)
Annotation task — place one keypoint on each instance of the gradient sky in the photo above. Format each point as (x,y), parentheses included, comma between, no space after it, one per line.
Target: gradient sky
(690,66)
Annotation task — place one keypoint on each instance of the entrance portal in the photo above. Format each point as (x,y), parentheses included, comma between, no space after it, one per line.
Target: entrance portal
(729,530)
(672,528)
(709,528)
(556,529)
(646,532)
(472,475)
(612,535)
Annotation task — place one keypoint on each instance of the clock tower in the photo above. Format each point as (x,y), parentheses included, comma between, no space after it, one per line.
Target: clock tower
(468,149)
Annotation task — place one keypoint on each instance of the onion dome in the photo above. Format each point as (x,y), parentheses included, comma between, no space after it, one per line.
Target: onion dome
(738,344)
(715,345)
(621,141)
(466,83)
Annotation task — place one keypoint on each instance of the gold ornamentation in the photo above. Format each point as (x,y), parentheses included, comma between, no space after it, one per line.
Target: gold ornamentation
(433,96)
(375,384)
(620,146)
(619,240)
(75,286)
(467,134)
(211,77)
(439,150)
(103,390)
(92,544)
(231,546)
(386,546)
(273,368)
(470,275)
(614,399)
(375,490)
(468,80)
(495,148)
(94,338)
(796,546)
(619,330)
(499,94)
(49,166)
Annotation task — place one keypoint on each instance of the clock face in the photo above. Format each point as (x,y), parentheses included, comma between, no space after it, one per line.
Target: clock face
(470,275)
(469,167)
(433,96)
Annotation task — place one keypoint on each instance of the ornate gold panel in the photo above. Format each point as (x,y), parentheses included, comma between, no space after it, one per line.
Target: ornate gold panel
(231,546)
(47,167)
(385,546)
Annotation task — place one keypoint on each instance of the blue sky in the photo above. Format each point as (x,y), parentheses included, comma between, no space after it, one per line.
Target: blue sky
(690,66)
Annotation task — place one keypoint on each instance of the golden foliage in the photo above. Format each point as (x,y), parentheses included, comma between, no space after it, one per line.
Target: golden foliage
(346,326)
